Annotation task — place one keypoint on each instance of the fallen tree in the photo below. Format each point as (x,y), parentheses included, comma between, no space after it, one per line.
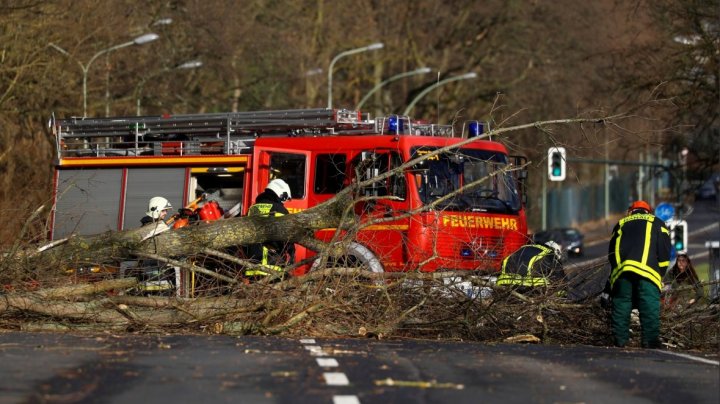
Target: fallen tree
(341,302)
(344,301)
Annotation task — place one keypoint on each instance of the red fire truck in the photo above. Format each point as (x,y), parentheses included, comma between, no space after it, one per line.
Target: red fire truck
(108,168)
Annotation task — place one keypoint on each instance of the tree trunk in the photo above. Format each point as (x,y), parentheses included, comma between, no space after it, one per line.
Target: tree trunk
(192,240)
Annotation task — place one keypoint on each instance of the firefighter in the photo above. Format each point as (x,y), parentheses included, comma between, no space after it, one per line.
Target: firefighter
(532,266)
(639,254)
(157,210)
(154,218)
(272,254)
(154,275)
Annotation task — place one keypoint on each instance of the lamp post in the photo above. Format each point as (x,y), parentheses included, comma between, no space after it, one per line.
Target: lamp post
(375,46)
(141,40)
(192,64)
(422,70)
(465,76)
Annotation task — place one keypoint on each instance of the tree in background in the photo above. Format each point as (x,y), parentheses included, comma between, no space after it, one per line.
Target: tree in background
(681,63)
(534,60)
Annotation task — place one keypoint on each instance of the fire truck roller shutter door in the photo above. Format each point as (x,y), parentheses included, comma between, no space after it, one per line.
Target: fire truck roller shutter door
(356,253)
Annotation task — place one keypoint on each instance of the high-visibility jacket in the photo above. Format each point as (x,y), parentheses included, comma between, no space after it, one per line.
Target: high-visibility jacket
(531,265)
(640,244)
(271,253)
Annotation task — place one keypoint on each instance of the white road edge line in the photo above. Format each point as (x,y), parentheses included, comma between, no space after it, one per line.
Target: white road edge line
(336,379)
(346,400)
(694,358)
(307,341)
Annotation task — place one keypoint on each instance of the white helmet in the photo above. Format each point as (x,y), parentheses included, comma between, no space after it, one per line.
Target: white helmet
(555,246)
(281,189)
(156,205)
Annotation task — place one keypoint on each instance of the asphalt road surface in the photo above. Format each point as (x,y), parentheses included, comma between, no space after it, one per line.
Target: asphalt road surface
(60,368)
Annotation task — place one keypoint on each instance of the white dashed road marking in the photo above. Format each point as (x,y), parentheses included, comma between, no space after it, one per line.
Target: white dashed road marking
(327,362)
(315,350)
(345,400)
(331,378)
(336,379)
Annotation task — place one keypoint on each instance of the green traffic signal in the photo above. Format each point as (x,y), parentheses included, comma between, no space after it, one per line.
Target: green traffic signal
(679,238)
(556,163)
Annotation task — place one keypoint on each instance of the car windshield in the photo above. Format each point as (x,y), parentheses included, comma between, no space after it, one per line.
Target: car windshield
(444,174)
(571,234)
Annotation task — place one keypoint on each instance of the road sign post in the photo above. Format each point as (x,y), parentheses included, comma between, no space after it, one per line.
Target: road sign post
(665,211)
(714,270)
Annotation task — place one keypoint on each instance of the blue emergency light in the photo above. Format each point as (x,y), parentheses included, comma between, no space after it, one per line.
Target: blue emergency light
(395,124)
(466,252)
(476,129)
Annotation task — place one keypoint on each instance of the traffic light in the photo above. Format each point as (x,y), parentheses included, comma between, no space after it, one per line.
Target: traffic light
(556,163)
(680,236)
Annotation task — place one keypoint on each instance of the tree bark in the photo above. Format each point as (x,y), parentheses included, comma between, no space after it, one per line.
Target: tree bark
(192,240)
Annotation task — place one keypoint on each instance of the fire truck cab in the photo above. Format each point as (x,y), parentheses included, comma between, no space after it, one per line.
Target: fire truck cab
(456,203)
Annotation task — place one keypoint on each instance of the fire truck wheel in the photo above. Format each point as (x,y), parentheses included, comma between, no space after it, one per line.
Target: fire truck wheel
(356,255)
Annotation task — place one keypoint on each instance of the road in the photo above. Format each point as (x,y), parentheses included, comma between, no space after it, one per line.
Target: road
(59,368)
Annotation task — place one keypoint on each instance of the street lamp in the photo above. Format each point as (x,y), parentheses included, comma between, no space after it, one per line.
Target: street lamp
(141,40)
(465,76)
(192,64)
(422,70)
(370,47)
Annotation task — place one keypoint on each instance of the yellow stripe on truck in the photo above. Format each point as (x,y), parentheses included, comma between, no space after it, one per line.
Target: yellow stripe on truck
(150,161)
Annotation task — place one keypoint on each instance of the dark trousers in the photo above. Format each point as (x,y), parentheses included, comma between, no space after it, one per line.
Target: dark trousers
(632,290)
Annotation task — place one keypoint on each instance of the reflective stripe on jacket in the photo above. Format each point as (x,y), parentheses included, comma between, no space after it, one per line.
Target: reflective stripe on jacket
(531,265)
(640,244)
(265,205)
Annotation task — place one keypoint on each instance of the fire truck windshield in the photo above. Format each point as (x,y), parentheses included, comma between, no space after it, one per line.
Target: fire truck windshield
(474,180)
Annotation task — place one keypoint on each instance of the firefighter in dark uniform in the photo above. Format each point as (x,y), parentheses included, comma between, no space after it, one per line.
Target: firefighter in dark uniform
(272,255)
(639,255)
(533,266)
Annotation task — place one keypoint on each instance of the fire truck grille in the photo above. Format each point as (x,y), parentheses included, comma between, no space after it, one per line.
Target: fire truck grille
(457,247)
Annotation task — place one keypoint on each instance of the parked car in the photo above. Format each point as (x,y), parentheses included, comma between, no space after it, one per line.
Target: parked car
(570,239)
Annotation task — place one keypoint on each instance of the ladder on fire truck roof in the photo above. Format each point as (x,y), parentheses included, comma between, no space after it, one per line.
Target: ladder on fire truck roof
(230,133)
